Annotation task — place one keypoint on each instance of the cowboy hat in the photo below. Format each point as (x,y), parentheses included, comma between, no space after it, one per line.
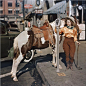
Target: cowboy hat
(71,18)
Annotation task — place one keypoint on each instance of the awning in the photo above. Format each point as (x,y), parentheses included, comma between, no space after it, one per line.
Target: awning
(57,8)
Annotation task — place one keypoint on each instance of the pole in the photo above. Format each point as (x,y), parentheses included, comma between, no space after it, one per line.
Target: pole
(82,14)
(4,9)
(69,7)
(23,10)
(57,49)
(16,12)
(23,14)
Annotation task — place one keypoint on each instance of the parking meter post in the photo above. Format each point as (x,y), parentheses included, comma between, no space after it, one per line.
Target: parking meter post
(57,47)
(57,44)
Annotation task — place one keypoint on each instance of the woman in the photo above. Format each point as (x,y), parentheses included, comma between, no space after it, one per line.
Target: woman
(70,33)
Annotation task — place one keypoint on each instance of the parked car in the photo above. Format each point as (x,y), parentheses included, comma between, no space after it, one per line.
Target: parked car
(7,35)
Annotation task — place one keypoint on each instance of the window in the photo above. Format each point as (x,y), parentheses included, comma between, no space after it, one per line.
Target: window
(17,11)
(9,4)
(17,4)
(1,4)
(1,11)
(10,11)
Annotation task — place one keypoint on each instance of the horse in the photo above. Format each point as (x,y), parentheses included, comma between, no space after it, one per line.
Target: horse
(36,38)
(62,23)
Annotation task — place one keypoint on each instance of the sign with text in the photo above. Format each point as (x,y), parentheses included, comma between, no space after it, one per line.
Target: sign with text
(38,11)
(28,6)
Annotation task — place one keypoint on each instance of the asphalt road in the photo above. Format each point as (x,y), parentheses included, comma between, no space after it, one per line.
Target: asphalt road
(27,75)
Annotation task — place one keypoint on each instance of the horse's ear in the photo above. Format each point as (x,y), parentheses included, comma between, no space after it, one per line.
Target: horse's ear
(47,24)
(44,24)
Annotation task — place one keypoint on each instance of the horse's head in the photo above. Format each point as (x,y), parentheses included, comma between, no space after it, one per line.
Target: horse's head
(46,23)
(62,22)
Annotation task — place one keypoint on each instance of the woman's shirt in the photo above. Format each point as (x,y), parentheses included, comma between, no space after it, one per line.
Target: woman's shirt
(69,32)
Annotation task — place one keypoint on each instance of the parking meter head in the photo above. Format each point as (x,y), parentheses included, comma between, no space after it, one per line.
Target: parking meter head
(57,22)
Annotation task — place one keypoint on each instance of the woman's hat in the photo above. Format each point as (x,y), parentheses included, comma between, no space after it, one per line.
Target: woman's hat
(71,18)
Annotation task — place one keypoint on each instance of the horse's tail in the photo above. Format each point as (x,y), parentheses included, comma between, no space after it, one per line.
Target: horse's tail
(15,46)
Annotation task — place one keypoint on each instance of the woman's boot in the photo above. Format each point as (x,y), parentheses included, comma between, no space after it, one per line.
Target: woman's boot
(71,66)
(68,65)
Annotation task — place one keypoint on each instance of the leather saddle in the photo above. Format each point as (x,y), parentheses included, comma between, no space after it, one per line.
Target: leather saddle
(43,31)
(37,32)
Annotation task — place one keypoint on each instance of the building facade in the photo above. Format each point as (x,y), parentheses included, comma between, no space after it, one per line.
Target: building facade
(9,7)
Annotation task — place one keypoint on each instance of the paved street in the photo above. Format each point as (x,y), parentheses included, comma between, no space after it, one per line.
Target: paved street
(27,75)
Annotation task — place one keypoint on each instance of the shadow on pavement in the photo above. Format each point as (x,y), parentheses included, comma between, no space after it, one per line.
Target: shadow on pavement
(44,58)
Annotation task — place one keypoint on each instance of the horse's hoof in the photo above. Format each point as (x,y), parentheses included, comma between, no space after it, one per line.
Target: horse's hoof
(12,76)
(15,79)
(11,72)
(53,64)
(60,67)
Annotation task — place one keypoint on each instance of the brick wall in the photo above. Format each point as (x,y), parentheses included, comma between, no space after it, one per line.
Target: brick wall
(5,7)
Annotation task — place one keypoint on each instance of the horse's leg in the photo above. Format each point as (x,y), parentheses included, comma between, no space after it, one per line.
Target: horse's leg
(53,61)
(15,44)
(54,58)
(15,65)
(12,68)
(55,64)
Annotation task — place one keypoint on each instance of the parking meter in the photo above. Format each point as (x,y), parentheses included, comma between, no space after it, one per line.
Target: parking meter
(57,23)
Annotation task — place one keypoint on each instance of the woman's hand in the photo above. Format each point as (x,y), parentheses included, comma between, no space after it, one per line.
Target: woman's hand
(80,30)
(78,42)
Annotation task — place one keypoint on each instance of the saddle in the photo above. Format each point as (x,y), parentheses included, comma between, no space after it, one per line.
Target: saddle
(43,31)
(37,32)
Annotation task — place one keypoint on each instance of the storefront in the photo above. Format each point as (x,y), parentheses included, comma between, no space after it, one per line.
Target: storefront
(78,9)
(56,11)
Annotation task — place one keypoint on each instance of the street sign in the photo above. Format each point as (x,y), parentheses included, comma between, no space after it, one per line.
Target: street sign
(28,6)
(38,11)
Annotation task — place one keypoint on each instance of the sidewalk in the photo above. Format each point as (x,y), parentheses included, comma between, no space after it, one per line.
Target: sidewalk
(64,77)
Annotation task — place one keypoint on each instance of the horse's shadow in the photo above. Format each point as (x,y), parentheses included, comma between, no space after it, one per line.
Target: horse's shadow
(43,58)
(27,67)
(63,57)
(30,66)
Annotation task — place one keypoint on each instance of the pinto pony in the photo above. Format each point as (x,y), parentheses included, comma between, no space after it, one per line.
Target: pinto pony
(36,38)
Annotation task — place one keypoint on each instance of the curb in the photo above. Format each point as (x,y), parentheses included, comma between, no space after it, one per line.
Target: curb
(6,59)
(41,74)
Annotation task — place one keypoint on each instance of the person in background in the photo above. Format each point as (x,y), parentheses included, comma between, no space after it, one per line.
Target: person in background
(70,34)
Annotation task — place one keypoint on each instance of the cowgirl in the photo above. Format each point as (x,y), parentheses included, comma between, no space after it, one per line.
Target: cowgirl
(70,34)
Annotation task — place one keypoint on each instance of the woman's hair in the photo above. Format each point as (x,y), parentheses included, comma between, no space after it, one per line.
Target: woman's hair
(72,23)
